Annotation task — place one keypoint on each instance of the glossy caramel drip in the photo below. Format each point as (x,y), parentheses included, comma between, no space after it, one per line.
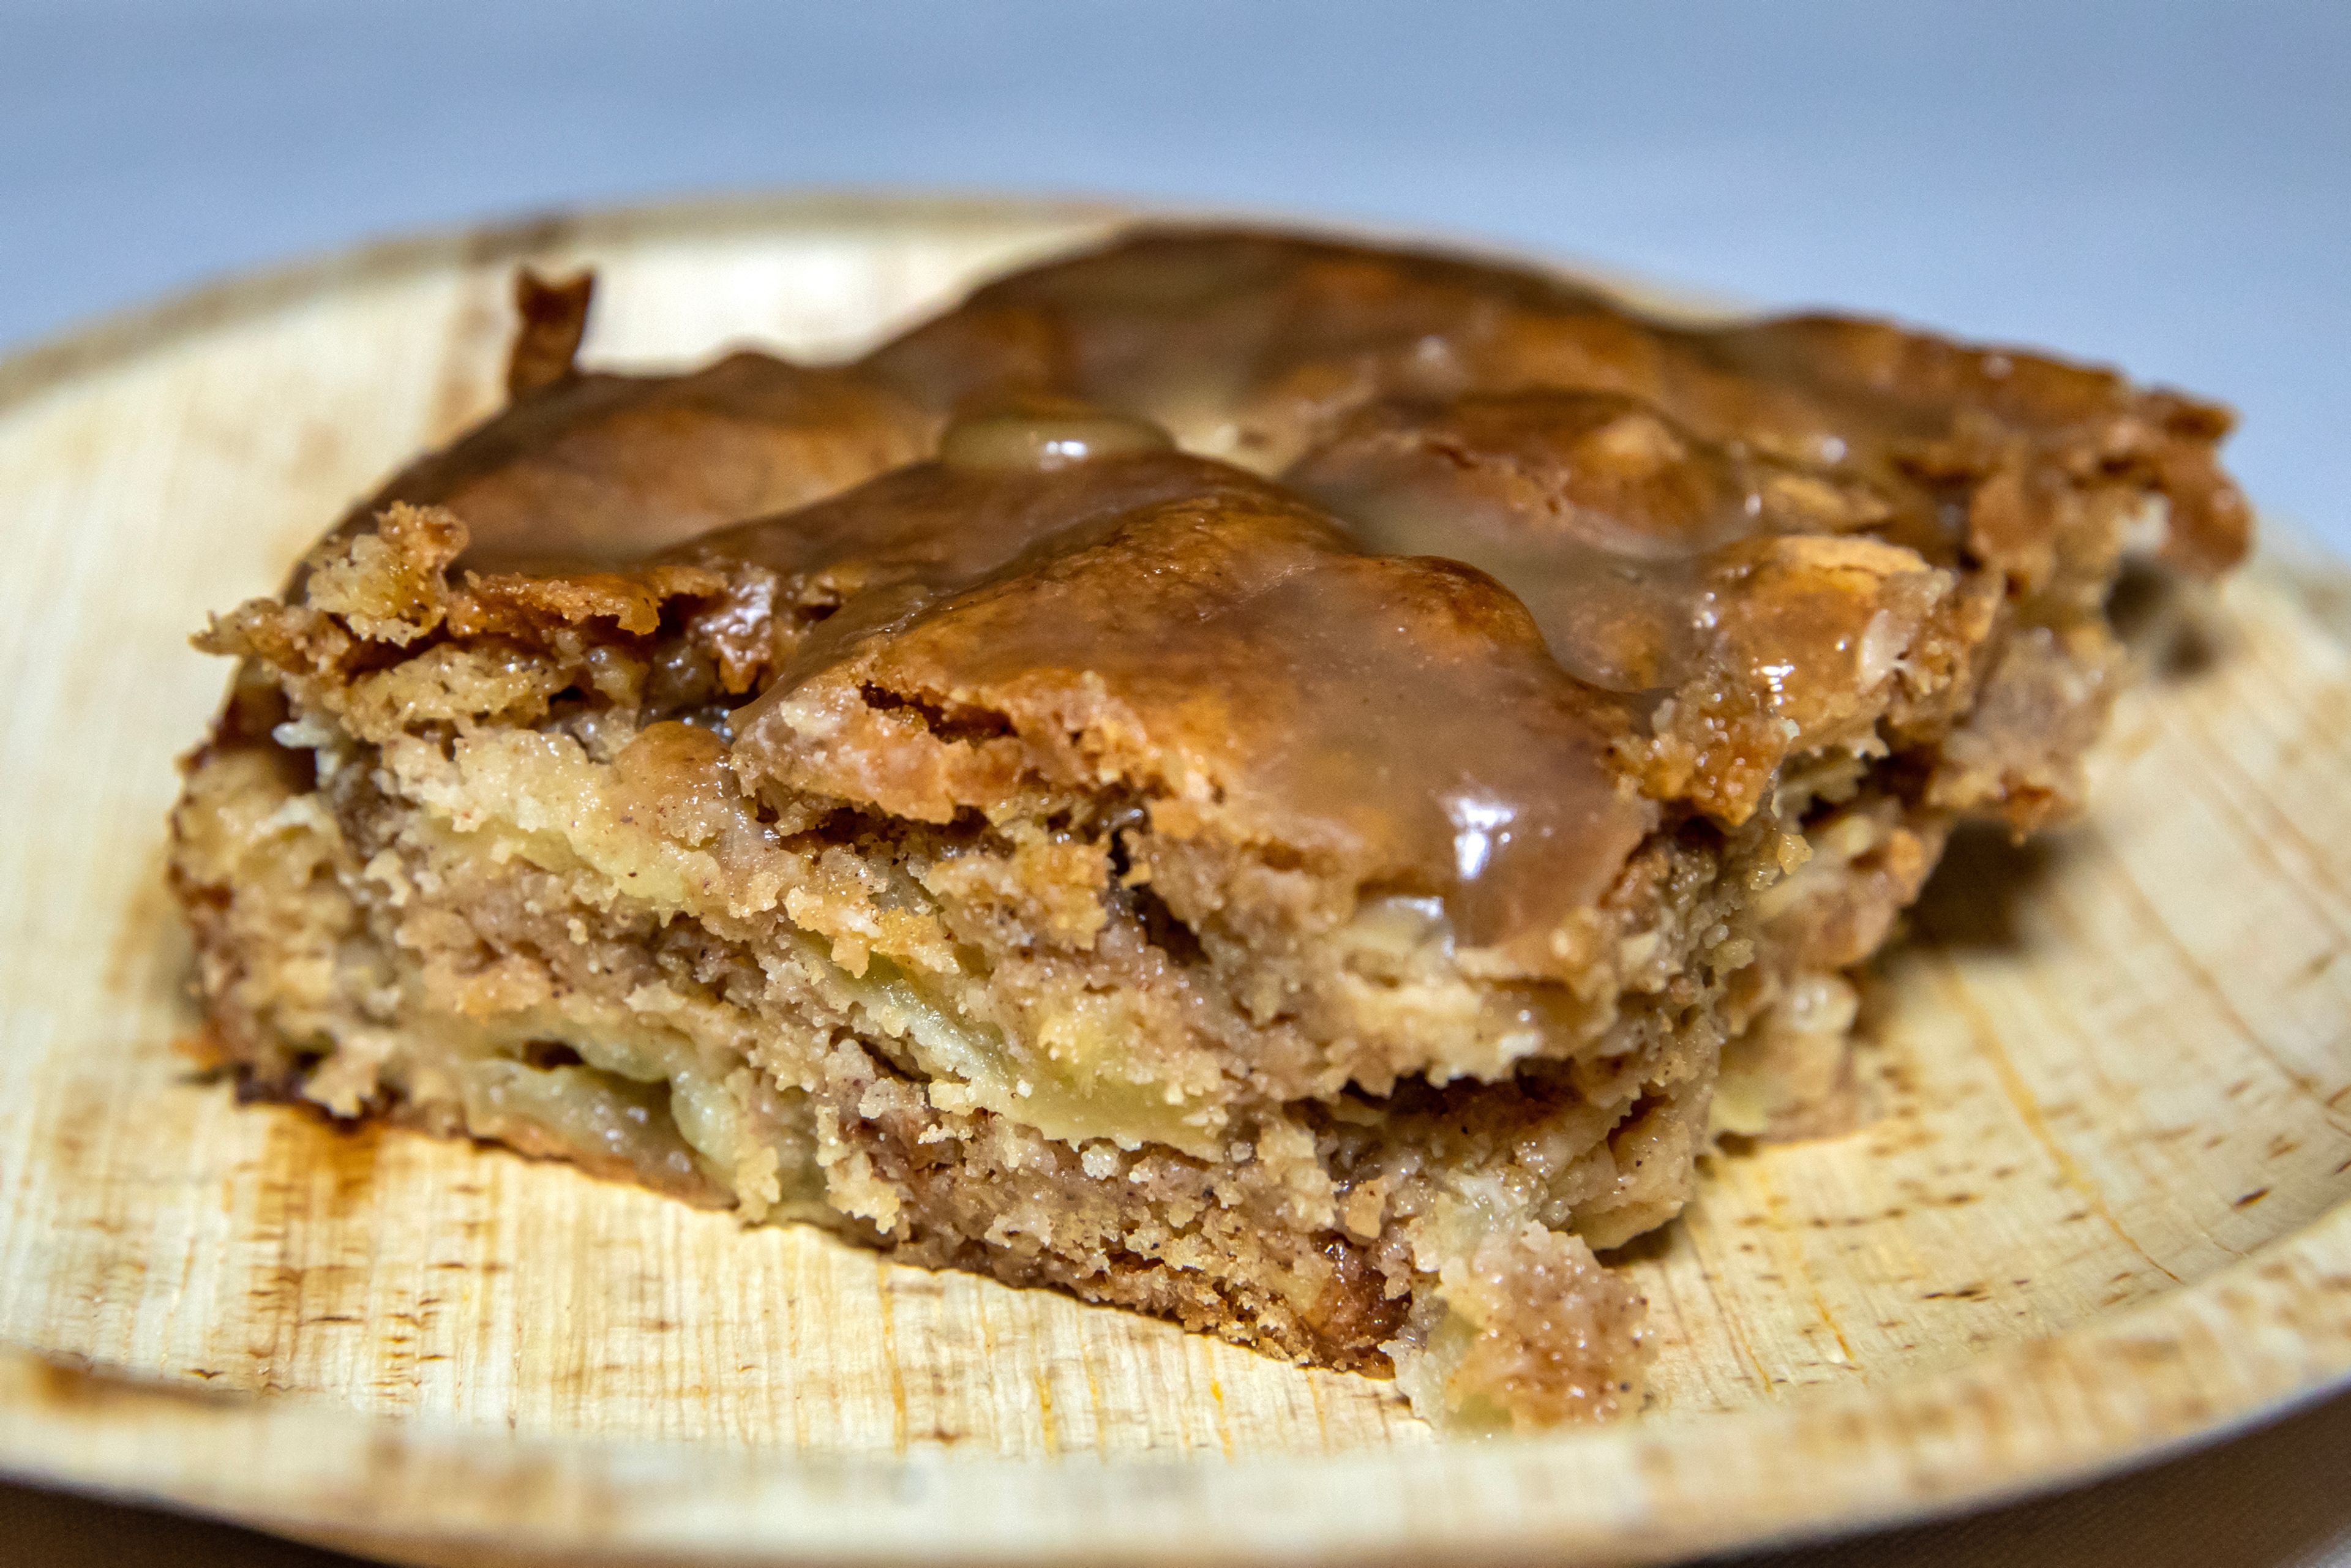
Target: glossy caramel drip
(1213,646)
(1043,433)
(1609,520)
(875,557)
(1589,507)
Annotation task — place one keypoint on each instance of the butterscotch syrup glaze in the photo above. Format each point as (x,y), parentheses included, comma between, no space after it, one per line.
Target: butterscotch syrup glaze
(1193,635)
(1690,553)
(1253,347)
(1773,535)
(1692,576)
(1599,513)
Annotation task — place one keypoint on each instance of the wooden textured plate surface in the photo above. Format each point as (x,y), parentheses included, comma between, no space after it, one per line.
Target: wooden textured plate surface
(2103,1205)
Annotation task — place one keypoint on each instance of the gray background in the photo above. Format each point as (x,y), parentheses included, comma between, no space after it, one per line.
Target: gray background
(2165,184)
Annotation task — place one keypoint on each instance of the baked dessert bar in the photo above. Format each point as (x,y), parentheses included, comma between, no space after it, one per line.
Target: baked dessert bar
(1291,787)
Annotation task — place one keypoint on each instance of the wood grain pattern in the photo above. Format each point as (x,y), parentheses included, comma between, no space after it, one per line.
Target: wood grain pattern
(2104,1202)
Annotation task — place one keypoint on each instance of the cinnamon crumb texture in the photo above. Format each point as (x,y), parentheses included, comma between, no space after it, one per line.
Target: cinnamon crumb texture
(1291,788)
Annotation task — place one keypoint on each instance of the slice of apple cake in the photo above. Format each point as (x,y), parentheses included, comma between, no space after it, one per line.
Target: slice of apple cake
(1293,788)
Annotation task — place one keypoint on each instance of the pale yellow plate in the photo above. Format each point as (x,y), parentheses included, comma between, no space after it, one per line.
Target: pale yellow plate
(2102,1210)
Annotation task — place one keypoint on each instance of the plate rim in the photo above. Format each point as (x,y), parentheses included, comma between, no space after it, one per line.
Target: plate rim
(1950,1433)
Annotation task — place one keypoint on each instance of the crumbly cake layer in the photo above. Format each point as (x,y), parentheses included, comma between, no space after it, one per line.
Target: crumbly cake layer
(1292,787)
